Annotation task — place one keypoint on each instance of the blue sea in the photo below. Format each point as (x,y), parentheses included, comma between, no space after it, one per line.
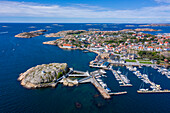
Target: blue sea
(17,55)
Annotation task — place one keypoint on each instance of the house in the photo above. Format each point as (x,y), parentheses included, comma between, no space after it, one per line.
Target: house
(158,49)
(150,48)
(109,50)
(133,34)
(140,48)
(161,43)
(67,46)
(166,43)
(107,46)
(146,42)
(166,49)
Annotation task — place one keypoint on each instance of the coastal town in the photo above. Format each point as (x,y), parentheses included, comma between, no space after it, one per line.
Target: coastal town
(130,48)
(124,46)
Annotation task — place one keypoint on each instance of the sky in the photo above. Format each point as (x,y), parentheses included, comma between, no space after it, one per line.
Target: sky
(85,11)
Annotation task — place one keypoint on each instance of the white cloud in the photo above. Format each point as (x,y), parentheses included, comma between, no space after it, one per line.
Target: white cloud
(163,1)
(28,9)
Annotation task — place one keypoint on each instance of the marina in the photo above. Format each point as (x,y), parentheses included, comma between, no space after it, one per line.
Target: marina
(95,79)
(164,71)
(154,88)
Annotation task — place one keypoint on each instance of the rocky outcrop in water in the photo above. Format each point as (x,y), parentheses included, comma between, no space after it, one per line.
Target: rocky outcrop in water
(50,42)
(31,34)
(44,75)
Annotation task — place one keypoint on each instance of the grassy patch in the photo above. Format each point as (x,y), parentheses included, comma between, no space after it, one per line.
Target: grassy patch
(145,62)
(127,60)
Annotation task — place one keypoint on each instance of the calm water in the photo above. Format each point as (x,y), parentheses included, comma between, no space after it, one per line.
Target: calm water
(18,55)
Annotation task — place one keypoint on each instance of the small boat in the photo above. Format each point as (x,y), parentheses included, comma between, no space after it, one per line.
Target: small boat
(108,90)
(142,87)
(102,71)
(85,51)
(140,66)
(99,80)
(120,82)
(134,69)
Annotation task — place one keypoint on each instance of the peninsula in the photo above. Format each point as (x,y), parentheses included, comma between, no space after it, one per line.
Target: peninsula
(31,34)
(126,46)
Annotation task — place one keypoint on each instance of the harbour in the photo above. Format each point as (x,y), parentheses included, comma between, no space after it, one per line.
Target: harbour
(15,98)
(124,81)
(93,78)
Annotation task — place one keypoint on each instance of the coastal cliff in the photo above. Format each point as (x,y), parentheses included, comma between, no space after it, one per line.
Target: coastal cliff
(44,75)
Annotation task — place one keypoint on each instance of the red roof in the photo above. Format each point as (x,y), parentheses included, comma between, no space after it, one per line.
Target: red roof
(158,48)
(67,45)
(150,47)
(167,36)
(140,47)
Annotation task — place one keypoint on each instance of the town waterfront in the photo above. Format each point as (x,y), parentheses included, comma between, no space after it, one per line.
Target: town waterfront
(17,55)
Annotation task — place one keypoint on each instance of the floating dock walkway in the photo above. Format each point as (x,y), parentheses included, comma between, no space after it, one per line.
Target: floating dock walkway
(117,76)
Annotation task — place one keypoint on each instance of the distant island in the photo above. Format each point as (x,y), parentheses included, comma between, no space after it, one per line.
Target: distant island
(31,34)
(141,29)
(44,75)
(154,25)
(71,33)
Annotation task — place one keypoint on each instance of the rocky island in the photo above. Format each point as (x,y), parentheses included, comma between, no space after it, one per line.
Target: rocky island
(154,25)
(44,75)
(146,29)
(31,34)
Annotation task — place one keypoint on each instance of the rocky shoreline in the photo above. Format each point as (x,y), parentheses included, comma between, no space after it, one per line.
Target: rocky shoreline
(64,33)
(44,75)
(50,42)
(54,43)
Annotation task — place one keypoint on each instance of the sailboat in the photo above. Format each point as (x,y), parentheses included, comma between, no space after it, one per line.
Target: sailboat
(140,66)
(142,87)
(119,72)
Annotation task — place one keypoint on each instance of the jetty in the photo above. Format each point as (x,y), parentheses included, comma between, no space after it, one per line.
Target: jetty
(102,91)
(79,74)
(119,93)
(154,91)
